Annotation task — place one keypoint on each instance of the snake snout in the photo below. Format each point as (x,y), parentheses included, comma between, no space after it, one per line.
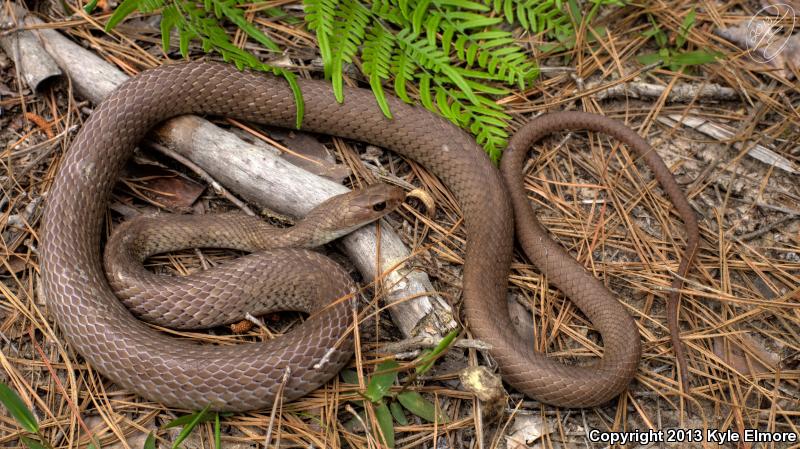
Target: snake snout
(378,199)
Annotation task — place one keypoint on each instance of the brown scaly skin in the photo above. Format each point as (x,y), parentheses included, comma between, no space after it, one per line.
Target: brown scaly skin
(257,283)
(243,377)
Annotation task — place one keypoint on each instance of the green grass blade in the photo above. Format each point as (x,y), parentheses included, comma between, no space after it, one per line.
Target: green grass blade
(217,432)
(189,427)
(12,402)
(426,361)
(150,442)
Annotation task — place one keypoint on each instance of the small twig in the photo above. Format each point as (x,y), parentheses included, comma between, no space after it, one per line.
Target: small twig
(767,228)
(424,342)
(679,93)
(278,400)
(325,358)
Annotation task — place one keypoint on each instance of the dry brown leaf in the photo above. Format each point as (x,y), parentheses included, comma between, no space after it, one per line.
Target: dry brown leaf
(735,353)
(165,187)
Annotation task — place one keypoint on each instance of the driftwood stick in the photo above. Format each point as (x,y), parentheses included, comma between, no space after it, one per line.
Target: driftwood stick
(681,93)
(260,175)
(34,64)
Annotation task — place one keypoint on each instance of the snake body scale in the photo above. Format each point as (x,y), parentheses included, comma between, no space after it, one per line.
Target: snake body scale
(243,377)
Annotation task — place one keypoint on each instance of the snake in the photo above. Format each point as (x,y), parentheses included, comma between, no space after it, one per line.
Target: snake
(180,373)
(279,271)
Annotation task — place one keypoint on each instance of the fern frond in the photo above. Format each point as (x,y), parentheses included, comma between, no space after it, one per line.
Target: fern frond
(129,6)
(320,16)
(403,68)
(236,16)
(432,58)
(457,53)
(352,19)
(377,56)
(535,15)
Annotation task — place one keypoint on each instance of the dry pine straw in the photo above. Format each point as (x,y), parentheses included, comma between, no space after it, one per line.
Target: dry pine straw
(740,315)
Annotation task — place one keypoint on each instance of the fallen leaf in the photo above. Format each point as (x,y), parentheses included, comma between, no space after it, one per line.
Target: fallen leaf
(310,154)
(13,264)
(163,186)
(526,430)
(734,351)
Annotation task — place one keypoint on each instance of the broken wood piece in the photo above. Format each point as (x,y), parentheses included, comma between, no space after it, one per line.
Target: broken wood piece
(32,61)
(680,93)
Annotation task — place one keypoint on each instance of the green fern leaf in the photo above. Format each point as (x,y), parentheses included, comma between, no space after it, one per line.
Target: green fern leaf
(425,92)
(433,59)
(320,18)
(467,20)
(123,10)
(377,56)
(447,37)
(236,16)
(462,4)
(403,69)
(419,14)
(352,19)
(432,27)
(169,21)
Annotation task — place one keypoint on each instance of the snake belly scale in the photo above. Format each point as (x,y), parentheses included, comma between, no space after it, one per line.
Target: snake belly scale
(240,377)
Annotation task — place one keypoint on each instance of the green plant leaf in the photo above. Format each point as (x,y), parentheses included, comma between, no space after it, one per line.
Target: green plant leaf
(416,404)
(12,402)
(320,17)
(427,360)
(199,417)
(686,26)
(349,376)
(217,432)
(169,20)
(89,8)
(377,57)
(150,442)
(299,102)
(385,423)
(352,19)
(397,413)
(33,444)
(463,4)
(649,58)
(467,20)
(381,382)
(425,92)
(123,10)
(419,14)
(236,16)
(696,57)
(184,420)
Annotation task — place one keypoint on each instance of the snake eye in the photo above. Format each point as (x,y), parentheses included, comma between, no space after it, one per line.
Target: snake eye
(378,207)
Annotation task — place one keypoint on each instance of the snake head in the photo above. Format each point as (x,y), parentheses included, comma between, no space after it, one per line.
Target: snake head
(373,202)
(343,214)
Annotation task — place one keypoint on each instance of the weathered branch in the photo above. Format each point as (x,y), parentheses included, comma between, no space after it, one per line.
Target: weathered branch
(34,64)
